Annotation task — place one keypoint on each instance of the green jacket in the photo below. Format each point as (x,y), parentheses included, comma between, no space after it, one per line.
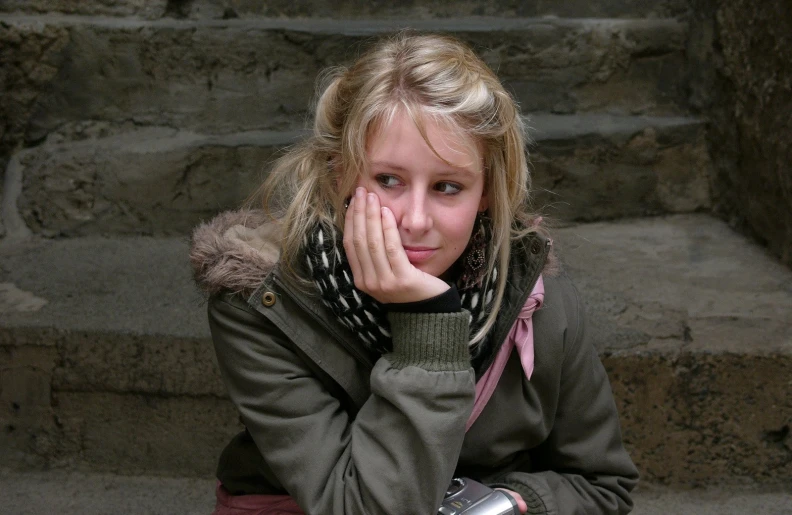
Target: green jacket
(346,432)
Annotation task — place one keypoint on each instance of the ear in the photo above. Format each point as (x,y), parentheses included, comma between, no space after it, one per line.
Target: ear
(483,203)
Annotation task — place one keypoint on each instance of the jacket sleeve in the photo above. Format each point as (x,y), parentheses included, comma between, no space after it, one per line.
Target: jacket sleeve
(582,467)
(398,454)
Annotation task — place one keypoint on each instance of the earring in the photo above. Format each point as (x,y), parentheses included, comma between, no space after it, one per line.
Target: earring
(476,255)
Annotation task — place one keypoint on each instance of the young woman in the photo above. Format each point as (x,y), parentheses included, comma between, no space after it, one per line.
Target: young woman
(393,319)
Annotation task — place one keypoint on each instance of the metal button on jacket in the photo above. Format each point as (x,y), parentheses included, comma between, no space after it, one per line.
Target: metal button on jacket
(268,299)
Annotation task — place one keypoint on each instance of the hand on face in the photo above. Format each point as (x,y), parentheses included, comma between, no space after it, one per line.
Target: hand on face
(379,263)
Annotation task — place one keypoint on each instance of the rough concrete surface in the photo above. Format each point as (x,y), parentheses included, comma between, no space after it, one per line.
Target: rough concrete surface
(617,167)
(682,283)
(742,62)
(3,163)
(29,60)
(74,493)
(14,225)
(238,75)
(219,9)
(705,316)
(161,181)
(133,286)
(757,63)
(146,9)
(141,181)
(65,493)
(116,371)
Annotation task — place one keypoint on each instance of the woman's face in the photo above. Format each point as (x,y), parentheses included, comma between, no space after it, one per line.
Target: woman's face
(435,203)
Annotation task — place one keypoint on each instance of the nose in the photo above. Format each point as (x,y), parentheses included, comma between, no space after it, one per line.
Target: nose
(416,217)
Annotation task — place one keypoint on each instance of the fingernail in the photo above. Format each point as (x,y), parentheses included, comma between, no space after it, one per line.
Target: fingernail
(371,197)
(359,192)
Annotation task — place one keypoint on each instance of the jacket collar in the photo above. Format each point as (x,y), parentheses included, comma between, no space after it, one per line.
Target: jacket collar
(238,251)
(530,256)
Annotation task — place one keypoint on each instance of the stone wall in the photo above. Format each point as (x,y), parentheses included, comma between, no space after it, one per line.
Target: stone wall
(28,62)
(744,85)
(347,9)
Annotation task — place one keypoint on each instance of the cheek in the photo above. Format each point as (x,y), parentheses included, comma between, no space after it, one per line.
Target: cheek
(458,227)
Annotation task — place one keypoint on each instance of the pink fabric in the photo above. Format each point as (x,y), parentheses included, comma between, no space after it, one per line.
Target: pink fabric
(228,504)
(521,338)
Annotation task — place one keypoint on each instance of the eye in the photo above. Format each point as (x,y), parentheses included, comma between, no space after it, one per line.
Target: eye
(448,188)
(387,181)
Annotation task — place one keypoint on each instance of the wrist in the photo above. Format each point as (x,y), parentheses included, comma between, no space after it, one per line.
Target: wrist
(446,302)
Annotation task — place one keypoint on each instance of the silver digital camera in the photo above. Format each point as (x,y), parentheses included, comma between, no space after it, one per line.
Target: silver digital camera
(468,497)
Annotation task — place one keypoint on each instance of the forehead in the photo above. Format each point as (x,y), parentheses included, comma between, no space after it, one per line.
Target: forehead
(401,131)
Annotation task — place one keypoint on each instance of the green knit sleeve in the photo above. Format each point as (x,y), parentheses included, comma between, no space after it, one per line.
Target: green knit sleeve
(432,341)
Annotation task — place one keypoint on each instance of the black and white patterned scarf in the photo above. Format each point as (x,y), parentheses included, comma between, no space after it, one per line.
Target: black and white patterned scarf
(367,317)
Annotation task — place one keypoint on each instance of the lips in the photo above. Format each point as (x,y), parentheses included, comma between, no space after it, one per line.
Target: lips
(419,254)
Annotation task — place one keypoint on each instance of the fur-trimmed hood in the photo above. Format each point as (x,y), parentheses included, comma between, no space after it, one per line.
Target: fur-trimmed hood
(234,251)
(237,249)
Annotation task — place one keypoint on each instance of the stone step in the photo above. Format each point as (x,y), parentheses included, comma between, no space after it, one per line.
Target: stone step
(90,493)
(349,9)
(224,76)
(107,364)
(159,180)
(153,180)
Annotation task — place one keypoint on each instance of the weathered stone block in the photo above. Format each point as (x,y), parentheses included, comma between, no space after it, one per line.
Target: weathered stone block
(161,181)
(238,75)
(3,163)
(147,364)
(219,9)
(601,167)
(147,9)
(97,286)
(743,82)
(692,322)
(30,55)
(678,283)
(152,181)
(25,397)
(691,418)
(693,325)
(149,434)
(25,380)
(436,8)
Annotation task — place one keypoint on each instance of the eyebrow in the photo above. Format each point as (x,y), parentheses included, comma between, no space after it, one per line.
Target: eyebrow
(446,171)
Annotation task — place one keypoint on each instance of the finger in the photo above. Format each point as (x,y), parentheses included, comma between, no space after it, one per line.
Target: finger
(376,240)
(360,240)
(394,250)
(349,247)
(521,504)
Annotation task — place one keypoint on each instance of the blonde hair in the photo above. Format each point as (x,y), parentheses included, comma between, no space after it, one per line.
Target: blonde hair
(427,75)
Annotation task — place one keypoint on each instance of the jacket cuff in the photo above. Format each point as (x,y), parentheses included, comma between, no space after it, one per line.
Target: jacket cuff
(432,341)
(533,489)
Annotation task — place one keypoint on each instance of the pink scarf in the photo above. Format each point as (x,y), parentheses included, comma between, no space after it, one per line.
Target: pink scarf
(521,338)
